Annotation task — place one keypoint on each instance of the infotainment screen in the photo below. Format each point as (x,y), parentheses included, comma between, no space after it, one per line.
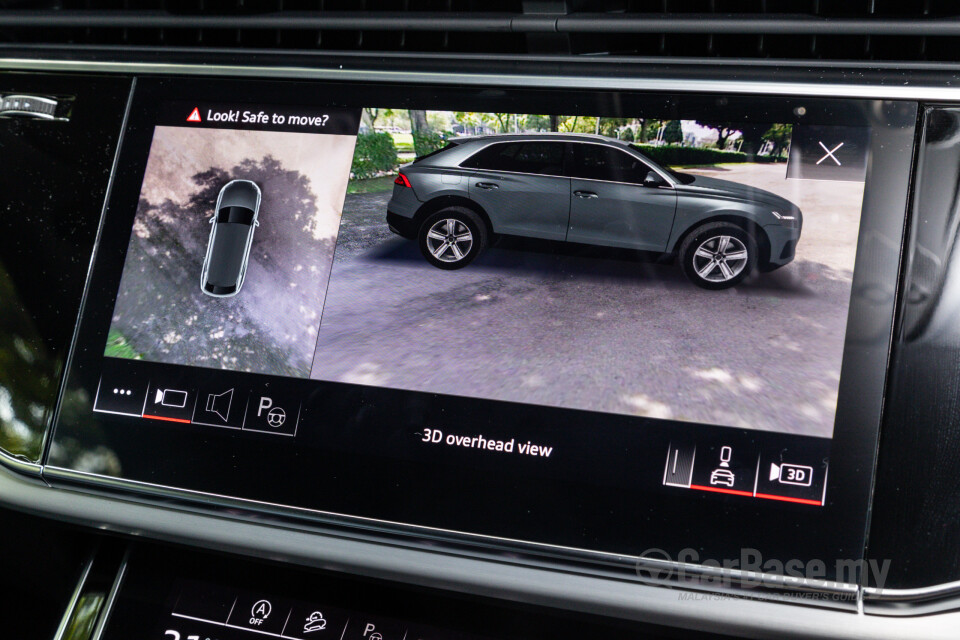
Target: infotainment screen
(623,300)
(682,269)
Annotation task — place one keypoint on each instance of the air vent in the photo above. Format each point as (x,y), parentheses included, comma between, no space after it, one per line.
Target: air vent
(882,30)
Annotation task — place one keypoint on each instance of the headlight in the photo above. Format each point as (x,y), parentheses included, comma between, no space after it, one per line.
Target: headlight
(787,220)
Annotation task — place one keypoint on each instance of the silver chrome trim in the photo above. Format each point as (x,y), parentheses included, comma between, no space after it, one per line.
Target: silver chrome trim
(633,82)
(936,598)
(105,612)
(620,566)
(20,465)
(74,598)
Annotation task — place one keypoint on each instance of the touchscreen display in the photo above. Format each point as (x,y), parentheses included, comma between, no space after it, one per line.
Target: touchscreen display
(379,299)
(685,269)
(681,269)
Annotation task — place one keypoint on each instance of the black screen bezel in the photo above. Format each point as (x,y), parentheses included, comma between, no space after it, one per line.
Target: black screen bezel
(446,497)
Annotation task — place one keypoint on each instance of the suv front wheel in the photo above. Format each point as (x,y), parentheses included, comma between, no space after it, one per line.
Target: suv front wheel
(718,255)
(452,238)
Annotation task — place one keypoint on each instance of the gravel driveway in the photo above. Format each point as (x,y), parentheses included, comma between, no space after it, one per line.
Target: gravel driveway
(597,329)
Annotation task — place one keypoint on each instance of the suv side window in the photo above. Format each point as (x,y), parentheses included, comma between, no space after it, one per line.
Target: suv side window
(544,158)
(601,162)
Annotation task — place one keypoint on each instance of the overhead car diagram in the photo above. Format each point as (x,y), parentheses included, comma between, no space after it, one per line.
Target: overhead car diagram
(593,190)
(231,236)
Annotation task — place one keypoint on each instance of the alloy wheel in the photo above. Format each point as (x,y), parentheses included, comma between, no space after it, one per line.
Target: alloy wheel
(449,240)
(720,258)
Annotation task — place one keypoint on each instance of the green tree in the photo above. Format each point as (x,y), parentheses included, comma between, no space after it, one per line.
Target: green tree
(568,124)
(374,154)
(610,126)
(503,121)
(418,120)
(373,114)
(537,123)
(499,122)
(752,135)
(724,130)
(467,119)
(425,139)
(648,129)
(673,133)
(779,135)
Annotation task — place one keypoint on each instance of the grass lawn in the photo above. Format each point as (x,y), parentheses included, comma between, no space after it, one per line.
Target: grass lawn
(382,184)
(118,347)
(403,141)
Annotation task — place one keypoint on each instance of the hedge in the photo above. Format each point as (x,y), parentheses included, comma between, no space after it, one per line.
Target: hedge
(425,142)
(677,155)
(374,155)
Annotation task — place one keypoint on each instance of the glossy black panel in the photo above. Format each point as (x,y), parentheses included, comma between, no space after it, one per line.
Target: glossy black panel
(171,589)
(916,521)
(53,178)
(40,564)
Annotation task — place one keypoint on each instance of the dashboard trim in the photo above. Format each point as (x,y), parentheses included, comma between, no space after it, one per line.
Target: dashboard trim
(439,568)
(632,82)
(74,599)
(105,613)
(22,466)
(832,594)
(911,602)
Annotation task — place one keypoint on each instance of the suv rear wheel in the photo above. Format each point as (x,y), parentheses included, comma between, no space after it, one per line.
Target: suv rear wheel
(452,237)
(718,255)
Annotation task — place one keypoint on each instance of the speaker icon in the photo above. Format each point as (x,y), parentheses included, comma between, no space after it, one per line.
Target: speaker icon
(219,404)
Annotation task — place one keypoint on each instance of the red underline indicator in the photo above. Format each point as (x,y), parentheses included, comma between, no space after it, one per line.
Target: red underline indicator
(749,494)
(147,415)
(733,492)
(770,496)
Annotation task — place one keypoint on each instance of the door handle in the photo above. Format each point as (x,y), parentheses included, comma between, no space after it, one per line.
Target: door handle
(585,195)
(487,185)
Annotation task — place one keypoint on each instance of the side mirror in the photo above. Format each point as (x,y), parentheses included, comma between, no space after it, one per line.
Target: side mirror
(653,179)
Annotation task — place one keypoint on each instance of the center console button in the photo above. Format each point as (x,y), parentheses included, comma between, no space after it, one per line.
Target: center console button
(370,629)
(122,389)
(725,468)
(257,613)
(221,406)
(173,401)
(792,475)
(272,411)
(315,622)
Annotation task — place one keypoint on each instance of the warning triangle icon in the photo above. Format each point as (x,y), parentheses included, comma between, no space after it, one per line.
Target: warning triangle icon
(194,115)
